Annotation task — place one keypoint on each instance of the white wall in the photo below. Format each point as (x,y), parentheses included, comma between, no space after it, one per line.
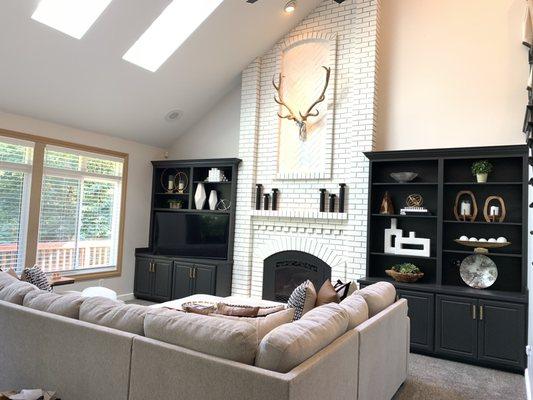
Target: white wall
(137,198)
(216,135)
(452,73)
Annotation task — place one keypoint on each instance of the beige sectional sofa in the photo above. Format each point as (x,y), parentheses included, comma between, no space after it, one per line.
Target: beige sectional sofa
(97,349)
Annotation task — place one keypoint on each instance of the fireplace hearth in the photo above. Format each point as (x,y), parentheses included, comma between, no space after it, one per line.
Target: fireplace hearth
(284,271)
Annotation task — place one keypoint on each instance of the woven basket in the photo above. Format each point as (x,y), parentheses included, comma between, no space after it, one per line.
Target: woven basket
(406,278)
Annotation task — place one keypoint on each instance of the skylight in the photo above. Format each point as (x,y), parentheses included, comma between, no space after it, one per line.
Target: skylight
(73,17)
(168,32)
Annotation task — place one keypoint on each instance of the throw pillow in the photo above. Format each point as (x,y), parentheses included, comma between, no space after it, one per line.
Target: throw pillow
(326,294)
(237,311)
(303,299)
(36,277)
(344,289)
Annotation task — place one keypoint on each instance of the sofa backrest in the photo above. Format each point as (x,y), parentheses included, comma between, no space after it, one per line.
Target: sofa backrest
(16,291)
(67,305)
(229,339)
(378,296)
(78,360)
(290,344)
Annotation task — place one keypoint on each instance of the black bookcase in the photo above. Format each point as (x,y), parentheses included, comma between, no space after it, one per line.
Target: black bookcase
(448,318)
(160,277)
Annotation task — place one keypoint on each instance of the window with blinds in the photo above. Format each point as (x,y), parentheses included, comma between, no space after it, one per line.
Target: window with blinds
(15,174)
(80,211)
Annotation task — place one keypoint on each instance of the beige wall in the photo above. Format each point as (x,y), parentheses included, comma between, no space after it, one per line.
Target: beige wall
(138,194)
(216,135)
(452,73)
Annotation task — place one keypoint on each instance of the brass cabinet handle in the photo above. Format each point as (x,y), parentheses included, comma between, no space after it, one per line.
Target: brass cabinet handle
(153,266)
(473,311)
(481,313)
(190,273)
(194,273)
(150,267)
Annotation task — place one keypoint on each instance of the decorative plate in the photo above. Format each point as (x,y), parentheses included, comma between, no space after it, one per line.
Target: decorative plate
(478,271)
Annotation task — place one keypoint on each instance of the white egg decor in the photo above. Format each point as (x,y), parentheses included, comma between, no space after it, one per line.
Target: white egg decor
(482,240)
(501,239)
(472,239)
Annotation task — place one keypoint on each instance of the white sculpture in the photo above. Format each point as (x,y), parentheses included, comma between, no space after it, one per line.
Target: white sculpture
(395,242)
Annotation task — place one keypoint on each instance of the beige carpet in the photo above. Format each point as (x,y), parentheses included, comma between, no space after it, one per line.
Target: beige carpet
(435,379)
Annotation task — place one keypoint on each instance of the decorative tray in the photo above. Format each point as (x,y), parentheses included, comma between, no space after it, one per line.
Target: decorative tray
(484,245)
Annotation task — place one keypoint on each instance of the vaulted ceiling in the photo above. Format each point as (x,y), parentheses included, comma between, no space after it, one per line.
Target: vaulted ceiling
(86,84)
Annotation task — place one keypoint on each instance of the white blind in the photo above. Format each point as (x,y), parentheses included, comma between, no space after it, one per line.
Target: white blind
(80,211)
(15,160)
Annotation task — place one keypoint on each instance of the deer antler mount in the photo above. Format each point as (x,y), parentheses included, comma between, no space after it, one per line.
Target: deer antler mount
(300,119)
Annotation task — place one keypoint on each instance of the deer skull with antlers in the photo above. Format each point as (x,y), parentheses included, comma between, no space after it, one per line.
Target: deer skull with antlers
(300,120)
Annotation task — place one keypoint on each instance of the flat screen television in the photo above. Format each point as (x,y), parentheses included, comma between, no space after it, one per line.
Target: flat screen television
(191,235)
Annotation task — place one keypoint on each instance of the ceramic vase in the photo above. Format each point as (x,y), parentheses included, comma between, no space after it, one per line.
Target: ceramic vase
(213,200)
(200,196)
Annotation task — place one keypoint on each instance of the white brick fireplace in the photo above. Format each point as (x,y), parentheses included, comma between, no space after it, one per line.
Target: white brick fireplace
(338,239)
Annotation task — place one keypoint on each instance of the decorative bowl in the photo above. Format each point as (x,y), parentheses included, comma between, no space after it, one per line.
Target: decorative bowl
(403,177)
(485,245)
(405,278)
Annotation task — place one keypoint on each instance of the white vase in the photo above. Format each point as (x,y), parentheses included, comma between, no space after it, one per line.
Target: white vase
(213,200)
(200,196)
(482,178)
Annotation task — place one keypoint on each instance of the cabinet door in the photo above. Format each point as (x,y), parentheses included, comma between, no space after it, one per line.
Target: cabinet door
(182,281)
(502,333)
(456,327)
(162,272)
(422,316)
(205,279)
(143,277)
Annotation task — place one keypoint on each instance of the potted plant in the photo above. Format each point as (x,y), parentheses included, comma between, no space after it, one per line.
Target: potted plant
(481,170)
(175,204)
(405,272)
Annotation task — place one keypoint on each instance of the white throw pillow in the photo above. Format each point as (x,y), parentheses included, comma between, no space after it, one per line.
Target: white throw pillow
(302,299)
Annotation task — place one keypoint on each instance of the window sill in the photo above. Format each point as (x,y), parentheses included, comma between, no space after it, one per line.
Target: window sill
(88,275)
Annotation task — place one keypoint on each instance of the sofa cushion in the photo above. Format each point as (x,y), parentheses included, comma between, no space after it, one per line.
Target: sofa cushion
(302,299)
(16,291)
(114,314)
(6,279)
(326,294)
(221,337)
(291,344)
(357,310)
(266,323)
(378,296)
(67,305)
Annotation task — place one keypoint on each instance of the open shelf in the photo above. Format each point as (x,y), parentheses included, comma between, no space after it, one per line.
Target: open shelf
(402,256)
(405,184)
(449,221)
(466,252)
(482,184)
(404,216)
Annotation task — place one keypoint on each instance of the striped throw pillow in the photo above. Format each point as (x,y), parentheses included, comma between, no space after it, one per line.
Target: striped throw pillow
(37,277)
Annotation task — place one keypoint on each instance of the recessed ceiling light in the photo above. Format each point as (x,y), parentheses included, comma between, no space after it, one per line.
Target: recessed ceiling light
(73,17)
(168,32)
(290,7)
(173,115)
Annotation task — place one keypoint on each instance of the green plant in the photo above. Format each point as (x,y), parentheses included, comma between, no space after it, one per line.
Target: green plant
(406,268)
(481,167)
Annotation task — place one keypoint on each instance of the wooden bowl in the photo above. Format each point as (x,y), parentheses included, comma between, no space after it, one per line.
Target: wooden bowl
(199,307)
(405,278)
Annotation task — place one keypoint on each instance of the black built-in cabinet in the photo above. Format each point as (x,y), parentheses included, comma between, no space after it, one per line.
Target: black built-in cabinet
(160,277)
(449,319)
